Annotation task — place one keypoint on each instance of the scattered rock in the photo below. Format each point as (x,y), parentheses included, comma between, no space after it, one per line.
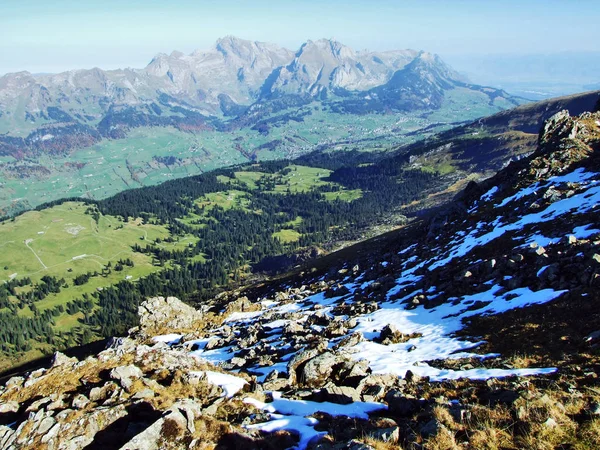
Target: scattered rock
(171,313)
(400,405)
(60,359)
(317,370)
(339,394)
(126,375)
(80,401)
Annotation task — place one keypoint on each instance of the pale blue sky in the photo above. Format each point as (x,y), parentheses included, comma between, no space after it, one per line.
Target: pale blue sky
(56,35)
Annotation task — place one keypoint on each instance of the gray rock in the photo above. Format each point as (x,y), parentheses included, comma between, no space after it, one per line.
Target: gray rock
(298,359)
(391,434)
(348,369)
(594,409)
(372,393)
(352,323)
(123,343)
(318,369)
(236,361)
(60,359)
(272,375)
(170,313)
(126,375)
(144,394)
(350,341)
(343,395)
(7,437)
(276,385)
(431,428)
(9,407)
(51,434)
(15,382)
(150,438)
(62,415)
(212,409)
(101,393)
(191,409)
(594,336)
(80,401)
(45,425)
(401,405)
(358,445)
(293,328)
(213,343)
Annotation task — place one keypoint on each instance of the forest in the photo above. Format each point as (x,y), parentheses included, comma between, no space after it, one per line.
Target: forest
(336,198)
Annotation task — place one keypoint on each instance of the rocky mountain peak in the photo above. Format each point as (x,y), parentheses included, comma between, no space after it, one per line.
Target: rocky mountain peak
(326,48)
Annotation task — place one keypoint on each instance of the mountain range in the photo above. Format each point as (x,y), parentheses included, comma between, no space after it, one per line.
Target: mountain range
(188,91)
(93,133)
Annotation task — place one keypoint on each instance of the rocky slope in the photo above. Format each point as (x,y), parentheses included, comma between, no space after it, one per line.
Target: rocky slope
(478,328)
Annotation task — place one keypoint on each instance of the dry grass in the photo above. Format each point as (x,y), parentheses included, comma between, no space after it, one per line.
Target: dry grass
(442,415)
(60,380)
(491,439)
(380,445)
(443,440)
(208,321)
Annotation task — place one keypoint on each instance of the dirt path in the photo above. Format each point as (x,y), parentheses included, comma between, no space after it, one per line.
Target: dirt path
(27,242)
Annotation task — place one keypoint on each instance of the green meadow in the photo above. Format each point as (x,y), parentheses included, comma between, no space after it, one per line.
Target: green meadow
(64,242)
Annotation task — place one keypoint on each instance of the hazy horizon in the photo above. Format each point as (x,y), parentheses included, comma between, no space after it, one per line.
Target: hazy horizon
(47,38)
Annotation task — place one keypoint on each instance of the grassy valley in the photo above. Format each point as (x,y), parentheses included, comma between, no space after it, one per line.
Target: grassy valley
(63,263)
(148,156)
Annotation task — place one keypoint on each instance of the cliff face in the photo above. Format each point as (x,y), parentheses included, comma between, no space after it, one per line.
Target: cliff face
(478,326)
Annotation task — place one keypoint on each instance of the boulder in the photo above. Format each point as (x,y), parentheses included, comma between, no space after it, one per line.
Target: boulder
(80,401)
(171,313)
(318,370)
(169,427)
(401,405)
(343,395)
(298,359)
(60,359)
(126,375)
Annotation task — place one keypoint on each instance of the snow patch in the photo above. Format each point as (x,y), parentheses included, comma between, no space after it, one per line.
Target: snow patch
(171,339)
(230,384)
(489,194)
(292,415)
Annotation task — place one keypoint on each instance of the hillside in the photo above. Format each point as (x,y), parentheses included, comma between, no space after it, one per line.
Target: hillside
(94,133)
(76,271)
(476,328)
